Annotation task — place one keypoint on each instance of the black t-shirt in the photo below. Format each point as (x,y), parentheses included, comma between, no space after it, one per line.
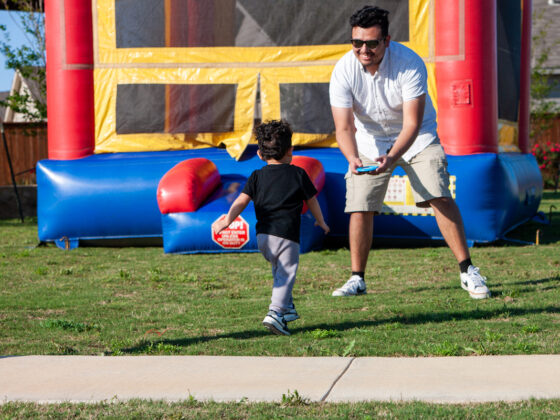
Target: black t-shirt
(278,192)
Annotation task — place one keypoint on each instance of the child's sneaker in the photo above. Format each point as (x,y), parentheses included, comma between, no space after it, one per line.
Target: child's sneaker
(354,286)
(291,315)
(474,283)
(276,323)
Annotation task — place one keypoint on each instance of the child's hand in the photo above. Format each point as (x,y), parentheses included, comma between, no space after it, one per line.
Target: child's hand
(323,226)
(219,225)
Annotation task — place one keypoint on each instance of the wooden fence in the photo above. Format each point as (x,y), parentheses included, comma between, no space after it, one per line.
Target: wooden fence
(27,143)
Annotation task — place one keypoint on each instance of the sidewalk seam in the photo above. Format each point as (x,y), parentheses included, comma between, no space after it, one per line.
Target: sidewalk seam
(324,397)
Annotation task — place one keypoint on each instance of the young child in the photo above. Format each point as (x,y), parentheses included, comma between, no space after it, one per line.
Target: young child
(278,191)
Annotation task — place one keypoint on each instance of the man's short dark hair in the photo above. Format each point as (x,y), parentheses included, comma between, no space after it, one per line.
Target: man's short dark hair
(274,139)
(369,16)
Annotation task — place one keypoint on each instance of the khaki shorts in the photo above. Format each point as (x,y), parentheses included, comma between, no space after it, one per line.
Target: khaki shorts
(427,173)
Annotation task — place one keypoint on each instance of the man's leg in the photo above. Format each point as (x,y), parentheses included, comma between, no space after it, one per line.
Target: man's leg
(450,224)
(360,233)
(364,197)
(428,175)
(360,237)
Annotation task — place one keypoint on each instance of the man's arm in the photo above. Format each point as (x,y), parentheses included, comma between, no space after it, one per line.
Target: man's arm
(345,135)
(413,114)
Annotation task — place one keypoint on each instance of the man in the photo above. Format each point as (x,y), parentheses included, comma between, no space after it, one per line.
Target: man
(384,116)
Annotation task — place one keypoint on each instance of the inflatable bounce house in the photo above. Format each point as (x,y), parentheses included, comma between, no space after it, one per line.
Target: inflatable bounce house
(152,105)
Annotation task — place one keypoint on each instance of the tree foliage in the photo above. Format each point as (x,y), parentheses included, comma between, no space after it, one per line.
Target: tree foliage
(543,109)
(28,60)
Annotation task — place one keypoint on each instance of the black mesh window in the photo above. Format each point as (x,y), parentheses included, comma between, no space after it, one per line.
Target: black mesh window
(245,23)
(306,107)
(509,58)
(201,108)
(140,23)
(309,22)
(142,108)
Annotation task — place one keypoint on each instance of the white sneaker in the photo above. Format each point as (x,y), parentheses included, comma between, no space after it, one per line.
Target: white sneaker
(474,283)
(354,286)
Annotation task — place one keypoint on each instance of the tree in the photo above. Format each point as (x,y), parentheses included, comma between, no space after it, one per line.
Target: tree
(28,60)
(543,109)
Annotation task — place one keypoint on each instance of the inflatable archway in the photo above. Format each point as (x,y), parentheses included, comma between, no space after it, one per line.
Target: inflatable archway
(136,87)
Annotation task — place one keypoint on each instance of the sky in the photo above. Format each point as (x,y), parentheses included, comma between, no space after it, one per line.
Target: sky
(17,38)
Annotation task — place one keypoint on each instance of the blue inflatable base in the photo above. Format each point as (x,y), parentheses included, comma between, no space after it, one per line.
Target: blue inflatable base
(113,196)
(191,233)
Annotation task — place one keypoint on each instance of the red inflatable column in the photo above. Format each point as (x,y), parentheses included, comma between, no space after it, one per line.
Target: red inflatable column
(69,43)
(525,76)
(466,76)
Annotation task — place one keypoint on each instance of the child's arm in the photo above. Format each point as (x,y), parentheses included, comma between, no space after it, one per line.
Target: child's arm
(315,210)
(235,210)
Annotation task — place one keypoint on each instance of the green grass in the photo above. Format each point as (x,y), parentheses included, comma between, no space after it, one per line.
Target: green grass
(116,301)
(289,408)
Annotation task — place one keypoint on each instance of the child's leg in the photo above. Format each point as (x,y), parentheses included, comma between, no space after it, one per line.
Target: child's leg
(283,255)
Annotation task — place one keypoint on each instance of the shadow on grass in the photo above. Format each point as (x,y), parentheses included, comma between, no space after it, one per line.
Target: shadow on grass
(495,286)
(540,281)
(551,195)
(421,318)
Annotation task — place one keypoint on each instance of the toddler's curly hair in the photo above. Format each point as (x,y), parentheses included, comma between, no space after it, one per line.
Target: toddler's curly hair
(274,139)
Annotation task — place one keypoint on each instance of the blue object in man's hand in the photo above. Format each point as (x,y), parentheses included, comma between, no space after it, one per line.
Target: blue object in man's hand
(367,168)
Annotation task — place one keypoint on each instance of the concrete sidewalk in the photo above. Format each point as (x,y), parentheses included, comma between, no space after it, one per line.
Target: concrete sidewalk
(331,379)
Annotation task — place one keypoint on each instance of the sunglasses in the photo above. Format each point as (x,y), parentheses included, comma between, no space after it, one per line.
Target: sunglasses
(371,44)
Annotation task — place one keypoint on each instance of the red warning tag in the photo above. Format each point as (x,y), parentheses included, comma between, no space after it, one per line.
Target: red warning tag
(235,236)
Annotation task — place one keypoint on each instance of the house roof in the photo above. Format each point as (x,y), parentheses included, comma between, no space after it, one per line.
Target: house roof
(546,15)
(34,89)
(23,84)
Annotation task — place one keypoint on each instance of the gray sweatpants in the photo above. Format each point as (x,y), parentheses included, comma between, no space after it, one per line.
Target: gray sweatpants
(283,255)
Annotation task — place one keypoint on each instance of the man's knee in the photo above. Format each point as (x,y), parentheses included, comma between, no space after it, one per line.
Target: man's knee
(441,201)
(361,224)
(445,205)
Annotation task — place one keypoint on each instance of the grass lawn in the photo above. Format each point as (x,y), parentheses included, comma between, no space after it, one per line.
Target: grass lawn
(116,301)
(534,409)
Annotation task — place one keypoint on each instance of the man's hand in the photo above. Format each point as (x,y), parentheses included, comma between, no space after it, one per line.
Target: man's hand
(385,163)
(355,163)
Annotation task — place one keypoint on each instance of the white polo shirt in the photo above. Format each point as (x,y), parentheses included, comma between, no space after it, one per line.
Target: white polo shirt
(377,101)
